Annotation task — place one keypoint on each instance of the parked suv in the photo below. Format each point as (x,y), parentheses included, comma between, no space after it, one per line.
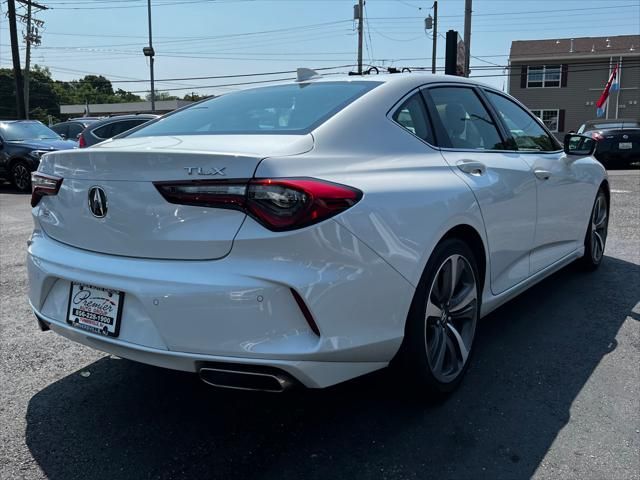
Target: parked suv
(22,143)
(110,127)
(71,129)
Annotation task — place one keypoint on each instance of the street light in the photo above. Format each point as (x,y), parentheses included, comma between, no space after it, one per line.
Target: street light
(149,52)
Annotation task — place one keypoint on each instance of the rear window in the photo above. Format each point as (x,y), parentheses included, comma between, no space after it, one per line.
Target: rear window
(292,109)
(612,125)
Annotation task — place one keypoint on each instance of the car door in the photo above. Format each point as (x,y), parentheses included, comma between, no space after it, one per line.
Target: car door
(473,144)
(562,192)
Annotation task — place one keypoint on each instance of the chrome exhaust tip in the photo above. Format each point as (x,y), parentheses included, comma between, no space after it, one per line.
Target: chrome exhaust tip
(249,379)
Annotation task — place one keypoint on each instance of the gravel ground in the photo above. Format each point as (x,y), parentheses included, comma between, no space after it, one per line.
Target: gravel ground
(553,392)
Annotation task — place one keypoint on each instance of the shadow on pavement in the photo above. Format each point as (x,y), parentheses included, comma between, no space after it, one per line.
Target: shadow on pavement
(533,357)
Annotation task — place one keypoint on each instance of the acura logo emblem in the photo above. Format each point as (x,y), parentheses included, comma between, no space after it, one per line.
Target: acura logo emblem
(97,202)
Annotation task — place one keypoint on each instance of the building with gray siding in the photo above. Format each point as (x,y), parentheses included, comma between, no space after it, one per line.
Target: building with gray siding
(560,80)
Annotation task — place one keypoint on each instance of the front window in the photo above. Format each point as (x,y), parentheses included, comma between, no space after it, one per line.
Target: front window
(28,130)
(544,76)
(292,109)
(525,130)
(548,117)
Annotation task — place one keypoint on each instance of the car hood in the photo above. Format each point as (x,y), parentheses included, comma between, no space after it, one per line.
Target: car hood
(35,144)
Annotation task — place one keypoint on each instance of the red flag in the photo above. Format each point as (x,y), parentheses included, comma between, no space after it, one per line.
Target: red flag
(605,94)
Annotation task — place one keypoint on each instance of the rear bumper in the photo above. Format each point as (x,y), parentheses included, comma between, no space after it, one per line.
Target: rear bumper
(240,309)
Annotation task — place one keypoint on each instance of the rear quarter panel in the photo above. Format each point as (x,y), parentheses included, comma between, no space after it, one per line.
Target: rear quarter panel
(411,199)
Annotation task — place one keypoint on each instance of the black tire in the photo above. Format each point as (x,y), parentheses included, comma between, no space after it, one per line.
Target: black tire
(416,355)
(596,238)
(21,176)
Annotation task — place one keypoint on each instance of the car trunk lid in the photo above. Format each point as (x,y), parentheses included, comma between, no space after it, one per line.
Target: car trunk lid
(137,220)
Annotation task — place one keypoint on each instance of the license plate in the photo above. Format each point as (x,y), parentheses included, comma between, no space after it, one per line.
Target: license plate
(625,145)
(95,309)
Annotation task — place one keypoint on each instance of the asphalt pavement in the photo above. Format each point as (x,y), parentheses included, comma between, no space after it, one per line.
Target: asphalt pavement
(553,392)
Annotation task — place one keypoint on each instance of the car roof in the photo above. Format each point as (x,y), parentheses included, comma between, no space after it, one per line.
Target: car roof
(407,79)
(120,118)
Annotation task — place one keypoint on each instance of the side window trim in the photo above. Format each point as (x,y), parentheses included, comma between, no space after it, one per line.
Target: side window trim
(512,140)
(439,127)
(392,111)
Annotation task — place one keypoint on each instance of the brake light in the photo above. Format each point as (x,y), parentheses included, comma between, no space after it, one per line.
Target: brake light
(278,204)
(82,143)
(597,136)
(43,184)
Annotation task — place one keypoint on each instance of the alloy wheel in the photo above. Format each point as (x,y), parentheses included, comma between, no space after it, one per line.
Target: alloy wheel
(599,225)
(21,176)
(451,315)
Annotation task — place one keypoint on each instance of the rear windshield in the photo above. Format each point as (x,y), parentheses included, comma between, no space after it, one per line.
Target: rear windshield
(292,109)
(613,125)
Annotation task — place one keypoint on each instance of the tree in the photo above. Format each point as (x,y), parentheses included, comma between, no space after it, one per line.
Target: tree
(125,96)
(161,96)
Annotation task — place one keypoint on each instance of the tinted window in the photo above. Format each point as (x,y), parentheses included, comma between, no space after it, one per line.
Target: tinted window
(120,127)
(103,131)
(524,128)
(412,115)
(465,120)
(75,129)
(60,129)
(295,108)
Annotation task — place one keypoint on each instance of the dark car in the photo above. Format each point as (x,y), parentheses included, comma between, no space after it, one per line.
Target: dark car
(618,141)
(110,127)
(22,143)
(71,129)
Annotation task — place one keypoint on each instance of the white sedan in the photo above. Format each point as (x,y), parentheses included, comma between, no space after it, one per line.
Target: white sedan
(311,232)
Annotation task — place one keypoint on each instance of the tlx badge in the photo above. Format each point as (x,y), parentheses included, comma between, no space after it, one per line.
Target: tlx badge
(205,171)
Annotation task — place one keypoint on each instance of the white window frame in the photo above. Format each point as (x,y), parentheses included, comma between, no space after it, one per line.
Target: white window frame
(544,75)
(539,113)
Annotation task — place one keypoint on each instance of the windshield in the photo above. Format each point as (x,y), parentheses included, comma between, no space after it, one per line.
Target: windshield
(293,109)
(16,131)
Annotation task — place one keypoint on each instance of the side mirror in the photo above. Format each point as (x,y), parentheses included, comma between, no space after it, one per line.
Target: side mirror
(579,145)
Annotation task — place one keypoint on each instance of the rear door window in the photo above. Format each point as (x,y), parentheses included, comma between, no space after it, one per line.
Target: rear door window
(412,115)
(466,122)
(103,131)
(121,127)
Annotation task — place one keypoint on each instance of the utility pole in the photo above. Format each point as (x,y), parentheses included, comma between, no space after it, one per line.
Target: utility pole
(31,37)
(432,23)
(27,62)
(149,52)
(360,16)
(467,36)
(15,53)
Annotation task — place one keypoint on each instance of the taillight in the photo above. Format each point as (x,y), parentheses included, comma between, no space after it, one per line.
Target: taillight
(82,143)
(43,184)
(597,136)
(278,204)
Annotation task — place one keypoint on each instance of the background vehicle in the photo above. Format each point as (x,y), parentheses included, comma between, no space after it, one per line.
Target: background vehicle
(312,231)
(71,129)
(22,142)
(110,127)
(618,141)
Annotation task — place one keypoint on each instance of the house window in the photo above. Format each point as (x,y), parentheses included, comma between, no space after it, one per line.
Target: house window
(549,117)
(544,76)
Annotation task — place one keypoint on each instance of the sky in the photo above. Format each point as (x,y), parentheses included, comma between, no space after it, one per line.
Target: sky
(218,38)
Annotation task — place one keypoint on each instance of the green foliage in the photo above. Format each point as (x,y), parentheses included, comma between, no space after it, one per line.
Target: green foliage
(161,96)
(47,94)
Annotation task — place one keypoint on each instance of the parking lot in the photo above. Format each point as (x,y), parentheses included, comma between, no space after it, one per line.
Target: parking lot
(553,392)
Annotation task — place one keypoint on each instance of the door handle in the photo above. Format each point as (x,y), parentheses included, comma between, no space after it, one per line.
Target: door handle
(542,174)
(472,167)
